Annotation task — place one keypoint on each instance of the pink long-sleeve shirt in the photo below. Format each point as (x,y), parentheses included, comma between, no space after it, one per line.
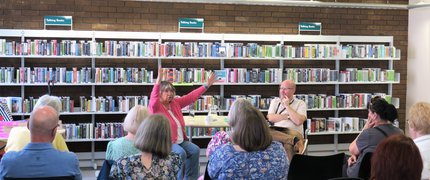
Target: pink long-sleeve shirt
(176,106)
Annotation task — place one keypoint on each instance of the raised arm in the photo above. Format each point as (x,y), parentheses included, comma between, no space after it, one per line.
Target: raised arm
(155,93)
(195,94)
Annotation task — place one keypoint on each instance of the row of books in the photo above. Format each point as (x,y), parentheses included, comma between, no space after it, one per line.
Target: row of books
(336,124)
(135,75)
(243,75)
(195,132)
(203,103)
(88,131)
(348,75)
(92,104)
(75,75)
(111,104)
(125,103)
(185,75)
(256,100)
(189,75)
(19,105)
(343,100)
(44,47)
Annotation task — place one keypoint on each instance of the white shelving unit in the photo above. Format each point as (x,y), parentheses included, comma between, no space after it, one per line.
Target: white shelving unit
(194,37)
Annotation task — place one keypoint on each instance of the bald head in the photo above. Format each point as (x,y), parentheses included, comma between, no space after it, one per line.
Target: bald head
(42,124)
(287,89)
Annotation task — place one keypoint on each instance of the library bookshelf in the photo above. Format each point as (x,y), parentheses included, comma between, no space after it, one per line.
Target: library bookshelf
(100,75)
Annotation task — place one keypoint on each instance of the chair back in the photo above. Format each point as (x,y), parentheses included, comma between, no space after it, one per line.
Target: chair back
(105,170)
(316,167)
(206,176)
(43,178)
(365,166)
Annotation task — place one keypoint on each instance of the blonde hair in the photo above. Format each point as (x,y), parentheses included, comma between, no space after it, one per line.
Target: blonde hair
(250,129)
(419,117)
(154,136)
(134,118)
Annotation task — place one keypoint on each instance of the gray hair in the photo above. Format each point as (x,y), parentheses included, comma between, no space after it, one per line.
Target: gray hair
(166,85)
(47,100)
(250,129)
(154,136)
(134,118)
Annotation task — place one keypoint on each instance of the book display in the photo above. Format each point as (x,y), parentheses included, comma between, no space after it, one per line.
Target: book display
(100,73)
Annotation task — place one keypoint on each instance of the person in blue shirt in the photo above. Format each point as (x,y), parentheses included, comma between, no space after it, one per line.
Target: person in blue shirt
(39,158)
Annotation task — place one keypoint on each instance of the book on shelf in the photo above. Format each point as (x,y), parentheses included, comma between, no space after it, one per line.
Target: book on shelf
(350,124)
(331,125)
(335,124)
(13,103)
(221,76)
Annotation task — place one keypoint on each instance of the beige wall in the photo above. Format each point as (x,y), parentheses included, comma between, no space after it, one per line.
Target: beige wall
(418,85)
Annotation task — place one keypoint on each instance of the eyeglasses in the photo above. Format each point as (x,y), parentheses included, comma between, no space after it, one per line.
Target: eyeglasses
(54,130)
(285,88)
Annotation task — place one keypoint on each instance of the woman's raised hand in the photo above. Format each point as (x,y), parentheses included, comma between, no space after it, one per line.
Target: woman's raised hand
(210,80)
(160,75)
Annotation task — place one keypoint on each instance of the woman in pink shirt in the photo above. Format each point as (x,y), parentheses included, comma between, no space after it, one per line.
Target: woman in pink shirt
(163,101)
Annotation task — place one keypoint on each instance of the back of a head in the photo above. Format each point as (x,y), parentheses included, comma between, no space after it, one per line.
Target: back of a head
(134,118)
(250,129)
(154,136)
(396,158)
(43,121)
(385,110)
(47,100)
(419,117)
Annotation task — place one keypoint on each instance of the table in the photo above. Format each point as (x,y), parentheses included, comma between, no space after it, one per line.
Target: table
(200,122)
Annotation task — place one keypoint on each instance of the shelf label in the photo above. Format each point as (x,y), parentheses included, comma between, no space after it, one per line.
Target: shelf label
(309,26)
(58,20)
(191,23)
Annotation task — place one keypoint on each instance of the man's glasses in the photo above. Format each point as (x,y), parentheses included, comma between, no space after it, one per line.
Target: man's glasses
(285,88)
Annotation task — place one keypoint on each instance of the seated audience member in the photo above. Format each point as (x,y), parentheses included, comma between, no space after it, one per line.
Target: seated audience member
(287,111)
(288,140)
(251,154)
(124,146)
(419,129)
(20,136)
(396,158)
(156,160)
(39,158)
(379,125)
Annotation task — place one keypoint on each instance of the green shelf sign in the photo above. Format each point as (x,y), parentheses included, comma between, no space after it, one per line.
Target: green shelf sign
(309,26)
(58,20)
(191,23)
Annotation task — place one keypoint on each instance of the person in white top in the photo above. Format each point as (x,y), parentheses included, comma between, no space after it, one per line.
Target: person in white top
(419,130)
(287,111)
